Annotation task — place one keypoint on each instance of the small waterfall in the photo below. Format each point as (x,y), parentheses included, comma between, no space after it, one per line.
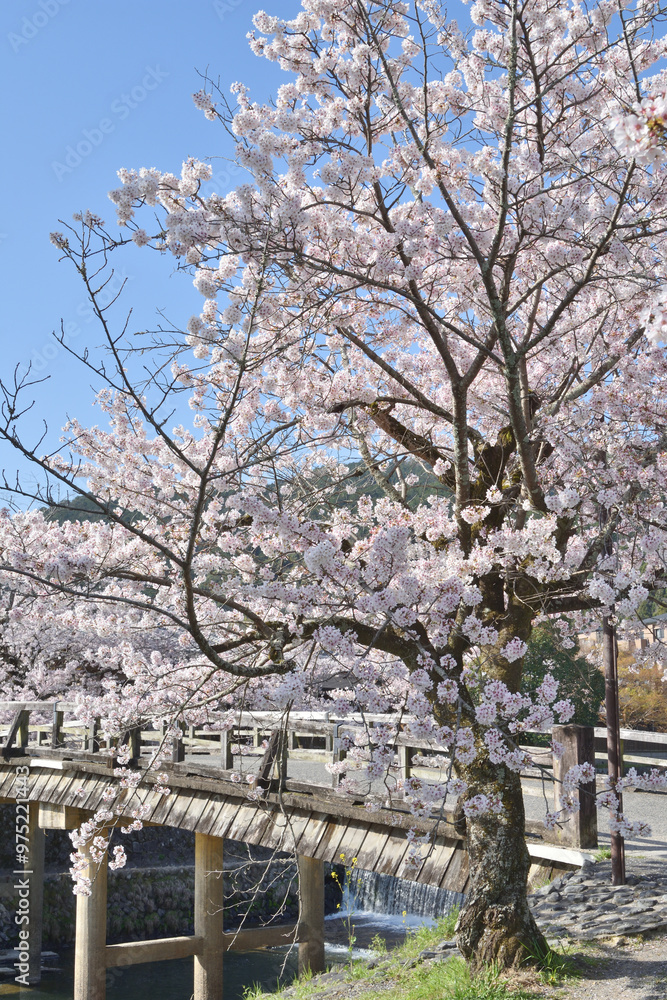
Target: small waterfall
(386,894)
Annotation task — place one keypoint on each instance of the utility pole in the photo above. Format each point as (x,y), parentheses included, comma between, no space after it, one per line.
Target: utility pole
(614,758)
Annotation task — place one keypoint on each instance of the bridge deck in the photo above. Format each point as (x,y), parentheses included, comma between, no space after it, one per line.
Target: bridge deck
(317,823)
(320,823)
(304,817)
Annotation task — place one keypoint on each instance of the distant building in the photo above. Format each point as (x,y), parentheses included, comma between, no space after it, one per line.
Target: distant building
(644,634)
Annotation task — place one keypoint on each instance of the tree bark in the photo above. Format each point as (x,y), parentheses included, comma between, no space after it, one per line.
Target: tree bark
(496,925)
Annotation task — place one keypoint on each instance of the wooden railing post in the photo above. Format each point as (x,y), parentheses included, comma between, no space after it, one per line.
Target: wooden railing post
(275,758)
(226,756)
(337,753)
(133,740)
(404,762)
(23,730)
(208,917)
(91,934)
(56,728)
(283,755)
(580,829)
(92,736)
(311,914)
(178,747)
(18,731)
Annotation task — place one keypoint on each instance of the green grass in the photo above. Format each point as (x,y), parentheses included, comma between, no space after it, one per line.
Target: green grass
(451,979)
(250,992)
(603,854)
(553,967)
(398,979)
(422,937)
(539,883)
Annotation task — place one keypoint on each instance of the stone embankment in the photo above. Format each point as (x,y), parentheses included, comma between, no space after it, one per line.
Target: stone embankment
(158,901)
(584,905)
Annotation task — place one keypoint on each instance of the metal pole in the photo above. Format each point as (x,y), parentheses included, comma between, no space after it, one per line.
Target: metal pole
(614,760)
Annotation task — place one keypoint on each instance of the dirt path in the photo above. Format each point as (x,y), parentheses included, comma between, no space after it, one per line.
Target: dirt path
(632,970)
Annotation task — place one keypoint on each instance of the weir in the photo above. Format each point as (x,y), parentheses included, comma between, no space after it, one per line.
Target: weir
(316,823)
(379,893)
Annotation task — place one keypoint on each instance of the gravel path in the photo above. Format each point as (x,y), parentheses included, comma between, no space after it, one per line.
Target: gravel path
(633,970)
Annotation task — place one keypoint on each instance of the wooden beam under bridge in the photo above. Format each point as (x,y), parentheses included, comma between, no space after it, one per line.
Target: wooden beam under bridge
(209,942)
(164,949)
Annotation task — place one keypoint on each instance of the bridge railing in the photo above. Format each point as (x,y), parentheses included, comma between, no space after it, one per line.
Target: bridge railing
(310,737)
(54,730)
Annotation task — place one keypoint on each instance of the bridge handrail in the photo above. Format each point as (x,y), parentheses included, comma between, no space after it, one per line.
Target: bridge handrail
(641,735)
(251,716)
(39,706)
(308,723)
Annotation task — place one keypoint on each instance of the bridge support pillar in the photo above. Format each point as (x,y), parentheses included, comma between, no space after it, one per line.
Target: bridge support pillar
(208,917)
(311,915)
(91,933)
(581,829)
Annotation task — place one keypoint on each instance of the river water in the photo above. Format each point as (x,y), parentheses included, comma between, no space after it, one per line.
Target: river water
(173,980)
(376,905)
(162,980)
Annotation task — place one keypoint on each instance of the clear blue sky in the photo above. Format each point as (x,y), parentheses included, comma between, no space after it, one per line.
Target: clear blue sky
(66,66)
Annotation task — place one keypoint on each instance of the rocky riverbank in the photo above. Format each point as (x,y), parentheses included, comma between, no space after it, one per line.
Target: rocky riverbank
(584,905)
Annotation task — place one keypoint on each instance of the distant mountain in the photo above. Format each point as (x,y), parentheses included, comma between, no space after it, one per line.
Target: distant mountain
(318,487)
(78,508)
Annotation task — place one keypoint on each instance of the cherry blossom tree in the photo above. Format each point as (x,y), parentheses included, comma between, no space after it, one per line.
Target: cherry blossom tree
(449,256)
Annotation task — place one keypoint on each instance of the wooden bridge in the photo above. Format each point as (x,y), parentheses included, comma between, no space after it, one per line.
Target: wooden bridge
(57,775)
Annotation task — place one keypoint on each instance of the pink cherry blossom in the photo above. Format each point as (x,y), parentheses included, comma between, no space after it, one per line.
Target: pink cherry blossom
(419,407)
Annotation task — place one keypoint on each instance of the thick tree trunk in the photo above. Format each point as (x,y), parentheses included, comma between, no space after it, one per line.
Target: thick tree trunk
(496,924)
